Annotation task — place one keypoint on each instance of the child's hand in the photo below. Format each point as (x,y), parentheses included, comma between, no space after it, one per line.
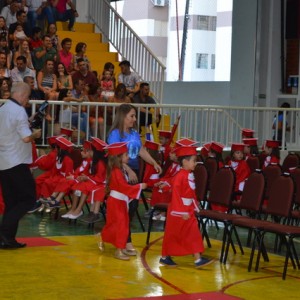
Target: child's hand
(144,186)
(70,177)
(185,216)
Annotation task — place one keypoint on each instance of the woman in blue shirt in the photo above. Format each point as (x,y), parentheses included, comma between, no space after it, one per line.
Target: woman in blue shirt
(124,129)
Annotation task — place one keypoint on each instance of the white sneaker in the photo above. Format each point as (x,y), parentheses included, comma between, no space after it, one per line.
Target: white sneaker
(72,217)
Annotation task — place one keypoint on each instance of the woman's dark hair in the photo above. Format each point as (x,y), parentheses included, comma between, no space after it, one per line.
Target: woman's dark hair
(65,69)
(62,94)
(97,155)
(79,47)
(120,87)
(61,154)
(120,116)
(284,105)
(254,150)
(275,152)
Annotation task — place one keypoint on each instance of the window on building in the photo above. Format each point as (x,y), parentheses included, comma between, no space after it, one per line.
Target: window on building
(201,61)
(208,23)
(213,62)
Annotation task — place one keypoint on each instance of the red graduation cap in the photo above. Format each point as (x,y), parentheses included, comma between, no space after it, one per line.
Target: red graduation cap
(237,147)
(186,142)
(205,149)
(51,140)
(218,147)
(248,132)
(63,143)
(185,151)
(272,144)
(87,145)
(165,133)
(66,131)
(98,144)
(250,141)
(151,145)
(117,148)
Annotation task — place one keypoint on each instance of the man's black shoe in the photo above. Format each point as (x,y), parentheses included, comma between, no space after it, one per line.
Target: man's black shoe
(13,244)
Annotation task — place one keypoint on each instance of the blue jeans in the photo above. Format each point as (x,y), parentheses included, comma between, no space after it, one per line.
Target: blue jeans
(83,122)
(47,14)
(68,15)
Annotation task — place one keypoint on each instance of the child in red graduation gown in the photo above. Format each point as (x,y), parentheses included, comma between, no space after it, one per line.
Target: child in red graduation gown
(116,229)
(273,153)
(65,184)
(250,148)
(90,186)
(150,174)
(182,234)
(63,168)
(164,140)
(239,165)
(215,151)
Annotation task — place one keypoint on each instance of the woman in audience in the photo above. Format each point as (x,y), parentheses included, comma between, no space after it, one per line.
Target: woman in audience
(51,31)
(47,80)
(5,85)
(80,50)
(111,68)
(4,70)
(24,50)
(5,49)
(3,28)
(64,80)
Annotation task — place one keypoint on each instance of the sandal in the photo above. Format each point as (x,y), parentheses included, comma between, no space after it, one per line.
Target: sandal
(120,255)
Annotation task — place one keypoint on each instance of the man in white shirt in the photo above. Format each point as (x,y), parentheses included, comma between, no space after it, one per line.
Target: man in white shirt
(9,13)
(20,71)
(18,185)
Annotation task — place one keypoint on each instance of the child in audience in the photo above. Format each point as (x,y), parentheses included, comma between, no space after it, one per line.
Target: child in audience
(215,151)
(164,140)
(272,151)
(116,230)
(91,187)
(107,85)
(239,165)
(204,151)
(182,235)
(61,169)
(19,34)
(65,184)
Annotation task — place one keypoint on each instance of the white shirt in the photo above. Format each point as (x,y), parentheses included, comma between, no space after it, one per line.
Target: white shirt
(18,76)
(8,16)
(14,127)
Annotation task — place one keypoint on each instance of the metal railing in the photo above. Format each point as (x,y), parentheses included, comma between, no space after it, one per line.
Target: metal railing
(130,46)
(202,123)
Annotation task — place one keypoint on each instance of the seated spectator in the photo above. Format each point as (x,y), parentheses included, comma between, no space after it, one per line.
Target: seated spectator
(4,71)
(20,71)
(15,36)
(143,97)
(5,85)
(84,74)
(47,80)
(36,41)
(9,12)
(41,54)
(111,68)
(80,50)
(120,96)
(107,85)
(5,94)
(4,48)
(130,79)
(55,40)
(3,28)
(23,50)
(96,113)
(63,14)
(64,80)
(38,10)
(65,55)
(79,113)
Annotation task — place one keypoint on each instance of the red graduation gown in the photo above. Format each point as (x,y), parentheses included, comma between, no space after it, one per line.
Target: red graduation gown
(271,159)
(59,171)
(182,237)
(164,195)
(242,172)
(150,175)
(116,228)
